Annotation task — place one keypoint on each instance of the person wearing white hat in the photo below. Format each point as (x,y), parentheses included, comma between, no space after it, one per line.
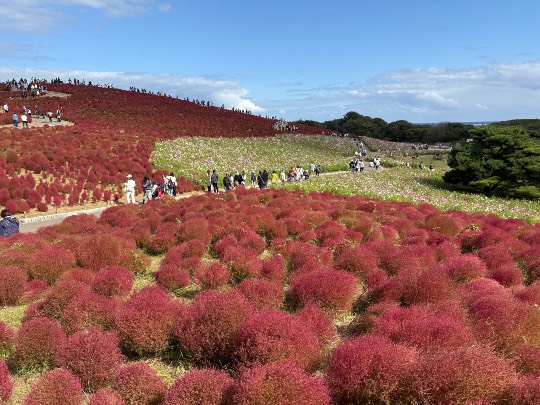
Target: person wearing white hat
(129,187)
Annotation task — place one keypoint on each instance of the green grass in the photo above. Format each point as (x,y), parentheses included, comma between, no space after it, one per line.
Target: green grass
(191,157)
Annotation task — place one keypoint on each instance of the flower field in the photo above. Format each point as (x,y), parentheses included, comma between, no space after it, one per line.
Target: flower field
(192,156)
(228,298)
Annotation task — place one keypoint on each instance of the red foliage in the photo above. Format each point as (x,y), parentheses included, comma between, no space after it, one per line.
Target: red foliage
(38,343)
(242,262)
(526,359)
(331,289)
(527,391)
(212,275)
(262,293)
(171,278)
(12,286)
(479,288)
(444,224)
(282,383)
(58,386)
(89,309)
(304,254)
(139,384)
(465,374)
(34,290)
(106,396)
(358,260)
(97,251)
(463,268)
(7,338)
(147,320)
(49,263)
(6,383)
(200,387)
(320,323)
(113,281)
(206,330)
(529,294)
(274,335)
(93,355)
(58,297)
(273,269)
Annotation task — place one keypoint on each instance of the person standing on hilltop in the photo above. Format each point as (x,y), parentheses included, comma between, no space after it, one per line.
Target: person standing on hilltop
(214,179)
(58,115)
(129,187)
(24,120)
(147,189)
(15,120)
(209,180)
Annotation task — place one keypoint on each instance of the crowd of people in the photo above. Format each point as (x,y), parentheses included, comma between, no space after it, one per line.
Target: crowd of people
(151,191)
(26,115)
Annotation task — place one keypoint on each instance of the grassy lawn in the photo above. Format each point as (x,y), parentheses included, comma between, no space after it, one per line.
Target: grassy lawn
(191,157)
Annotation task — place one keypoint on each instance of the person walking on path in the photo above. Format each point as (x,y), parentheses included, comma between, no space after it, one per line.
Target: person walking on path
(147,189)
(170,184)
(129,186)
(214,179)
(15,120)
(6,108)
(8,225)
(209,180)
(24,120)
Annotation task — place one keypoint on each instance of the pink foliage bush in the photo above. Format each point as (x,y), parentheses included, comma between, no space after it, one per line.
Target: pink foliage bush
(371,369)
(113,281)
(38,343)
(464,374)
(97,251)
(58,297)
(357,260)
(281,383)
(212,275)
(463,268)
(89,309)
(527,391)
(201,387)
(207,328)
(273,269)
(526,359)
(304,254)
(146,322)
(50,262)
(171,278)
(12,285)
(93,355)
(319,322)
(243,263)
(262,293)
(6,383)
(106,396)
(58,386)
(139,384)
(274,335)
(331,289)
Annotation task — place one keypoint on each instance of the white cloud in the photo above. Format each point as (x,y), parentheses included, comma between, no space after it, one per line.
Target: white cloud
(226,92)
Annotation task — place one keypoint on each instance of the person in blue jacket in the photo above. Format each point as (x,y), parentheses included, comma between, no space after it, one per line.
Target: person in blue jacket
(8,225)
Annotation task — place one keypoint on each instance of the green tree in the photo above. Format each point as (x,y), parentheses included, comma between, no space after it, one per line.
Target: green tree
(503,161)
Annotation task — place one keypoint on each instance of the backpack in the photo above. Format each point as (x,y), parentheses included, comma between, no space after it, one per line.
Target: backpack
(170,183)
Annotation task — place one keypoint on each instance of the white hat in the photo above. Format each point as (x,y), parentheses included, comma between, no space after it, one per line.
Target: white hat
(129,176)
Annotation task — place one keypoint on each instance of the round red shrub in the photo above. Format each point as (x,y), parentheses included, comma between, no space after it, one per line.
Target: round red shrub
(59,296)
(38,343)
(6,383)
(200,387)
(194,229)
(273,269)
(495,256)
(243,263)
(212,275)
(139,384)
(171,278)
(42,207)
(529,294)
(526,359)
(508,276)
(207,328)
(93,355)
(357,260)
(465,374)
(463,268)
(262,293)
(429,286)
(58,386)
(89,309)
(274,335)
(97,251)
(527,391)
(331,289)
(147,320)
(50,262)
(12,285)
(371,369)
(106,396)
(113,281)
(320,323)
(479,288)
(34,290)
(303,254)
(223,243)
(282,383)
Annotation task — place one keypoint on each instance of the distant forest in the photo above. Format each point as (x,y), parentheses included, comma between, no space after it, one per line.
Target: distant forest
(404,131)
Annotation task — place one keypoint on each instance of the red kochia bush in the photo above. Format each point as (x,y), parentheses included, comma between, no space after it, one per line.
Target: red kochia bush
(243,263)
(147,320)
(331,289)
(58,387)
(93,355)
(139,384)
(97,251)
(59,296)
(50,263)
(6,383)
(282,383)
(358,260)
(262,293)
(200,387)
(274,269)
(89,309)
(12,285)
(171,278)
(319,322)
(527,391)
(106,396)
(206,330)
(302,254)
(212,275)
(113,281)
(464,374)
(463,268)
(274,335)
(38,343)
(371,369)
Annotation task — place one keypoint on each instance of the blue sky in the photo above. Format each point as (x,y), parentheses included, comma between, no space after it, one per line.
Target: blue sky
(417,60)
